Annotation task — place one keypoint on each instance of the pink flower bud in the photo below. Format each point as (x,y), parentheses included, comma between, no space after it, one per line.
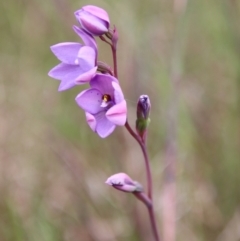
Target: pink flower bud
(93,19)
(123,182)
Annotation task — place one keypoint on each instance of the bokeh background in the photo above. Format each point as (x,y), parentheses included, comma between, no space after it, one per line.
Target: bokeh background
(185,54)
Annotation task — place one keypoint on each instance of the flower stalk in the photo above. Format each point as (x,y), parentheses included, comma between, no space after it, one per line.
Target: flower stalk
(149,180)
(141,140)
(103,102)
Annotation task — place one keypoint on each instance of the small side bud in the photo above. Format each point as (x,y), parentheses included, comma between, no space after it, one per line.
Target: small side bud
(104,68)
(112,34)
(143,111)
(123,182)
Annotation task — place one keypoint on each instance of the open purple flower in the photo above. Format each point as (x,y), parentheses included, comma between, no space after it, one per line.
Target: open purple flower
(123,182)
(93,19)
(104,104)
(78,62)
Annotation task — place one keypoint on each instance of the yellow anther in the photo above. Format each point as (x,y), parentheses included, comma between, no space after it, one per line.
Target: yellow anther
(106,98)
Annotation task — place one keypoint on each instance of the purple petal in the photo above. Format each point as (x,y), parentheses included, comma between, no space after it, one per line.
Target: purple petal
(66,84)
(90,100)
(92,24)
(67,73)
(87,38)
(103,83)
(98,12)
(91,121)
(86,76)
(62,70)
(104,127)
(117,114)
(86,58)
(100,124)
(118,94)
(66,52)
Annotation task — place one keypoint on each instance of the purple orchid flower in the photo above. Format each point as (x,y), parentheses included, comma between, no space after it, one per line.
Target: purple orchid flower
(78,62)
(123,182)
(93,19)
(104,104)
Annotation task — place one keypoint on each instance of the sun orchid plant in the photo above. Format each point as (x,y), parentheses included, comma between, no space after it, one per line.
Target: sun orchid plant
(103,101)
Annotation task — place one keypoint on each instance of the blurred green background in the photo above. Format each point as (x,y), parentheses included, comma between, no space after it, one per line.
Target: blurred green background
(185,54)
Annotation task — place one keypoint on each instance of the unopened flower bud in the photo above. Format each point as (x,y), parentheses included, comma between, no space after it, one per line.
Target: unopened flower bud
(104,68)
(123,182)
(93,19)
(143,107)
(143,111)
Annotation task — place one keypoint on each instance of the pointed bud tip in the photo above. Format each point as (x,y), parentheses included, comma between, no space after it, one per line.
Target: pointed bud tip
(143,107)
